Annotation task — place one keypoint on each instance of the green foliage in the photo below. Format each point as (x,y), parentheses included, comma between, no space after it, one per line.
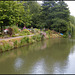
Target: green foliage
(32,30)
(48,31)
(12,12)
(64,36)
(51,14)
(37,37)
(15,29)
(42,36)
(72,26)
(72,19)
(36,30)
(24,41)
(15,44)
(24,32)
(15,35)
(5,46)
(55,16)
(34,37)
(35,12)
(31,40)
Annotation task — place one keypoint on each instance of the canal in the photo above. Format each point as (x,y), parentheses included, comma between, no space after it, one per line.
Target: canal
(54,56)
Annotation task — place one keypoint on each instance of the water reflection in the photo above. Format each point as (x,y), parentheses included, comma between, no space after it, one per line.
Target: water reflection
(52,56)
(18,64)
(38,67)
(43,46)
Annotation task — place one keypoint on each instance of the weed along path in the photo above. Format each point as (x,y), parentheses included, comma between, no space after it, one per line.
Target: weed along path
(10,38)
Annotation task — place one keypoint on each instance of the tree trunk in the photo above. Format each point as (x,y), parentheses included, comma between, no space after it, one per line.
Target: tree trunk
(1,28)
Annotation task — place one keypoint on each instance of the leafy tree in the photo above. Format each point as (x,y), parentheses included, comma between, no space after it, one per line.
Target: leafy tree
(35,12)
(72,25)
(72,19)
(55,15)
(13,12)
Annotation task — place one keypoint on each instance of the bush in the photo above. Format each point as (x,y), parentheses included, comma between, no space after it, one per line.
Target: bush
(24,41)
(5,46)
(15,44)
(42,36)
(32,30)
(31,40)
(37,37)
(34,37)
(21,34)
(27,40)
(15,35)
(64,36)
(24,32)
(37,30)
(48,32)
(15,29)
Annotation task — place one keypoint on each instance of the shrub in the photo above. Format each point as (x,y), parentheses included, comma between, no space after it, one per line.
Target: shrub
(15,35)
(64,36)
(34,37)
(48,32)
(42,37)
(37,37)
(32,30)
(15,43)
(27,40)
(24,41)
(5,46)
(21,34)
(36,30)
(25,32)
(1,48)
(31,40)
(15,29)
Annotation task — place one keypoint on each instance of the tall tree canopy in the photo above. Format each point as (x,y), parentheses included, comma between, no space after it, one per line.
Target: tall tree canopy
(55,15)
(51,14)
(14,12)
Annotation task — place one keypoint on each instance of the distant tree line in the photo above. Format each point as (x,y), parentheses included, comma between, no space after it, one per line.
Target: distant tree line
(53,15)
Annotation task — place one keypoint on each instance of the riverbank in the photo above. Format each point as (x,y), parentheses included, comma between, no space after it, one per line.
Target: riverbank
(16,42)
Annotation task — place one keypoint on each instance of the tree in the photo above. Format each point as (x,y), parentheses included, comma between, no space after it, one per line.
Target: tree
(55,15)
(35,12)
(13,12)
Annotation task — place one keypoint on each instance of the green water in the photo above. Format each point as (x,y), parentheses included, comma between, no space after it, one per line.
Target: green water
(54,56)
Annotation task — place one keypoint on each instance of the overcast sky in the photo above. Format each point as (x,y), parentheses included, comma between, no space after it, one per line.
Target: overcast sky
(71,5)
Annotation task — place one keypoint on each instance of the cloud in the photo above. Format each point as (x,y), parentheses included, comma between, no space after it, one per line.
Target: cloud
(71,5)
(40,2)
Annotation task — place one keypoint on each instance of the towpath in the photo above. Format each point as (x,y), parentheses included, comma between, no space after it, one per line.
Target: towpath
(15,37)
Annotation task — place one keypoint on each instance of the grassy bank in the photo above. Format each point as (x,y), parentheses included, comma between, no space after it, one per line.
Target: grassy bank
(9,44)
(19,42)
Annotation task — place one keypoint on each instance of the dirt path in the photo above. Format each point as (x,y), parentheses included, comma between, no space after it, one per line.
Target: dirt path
(15,37)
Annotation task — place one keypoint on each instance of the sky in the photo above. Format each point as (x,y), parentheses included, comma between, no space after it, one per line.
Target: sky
(71,5)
